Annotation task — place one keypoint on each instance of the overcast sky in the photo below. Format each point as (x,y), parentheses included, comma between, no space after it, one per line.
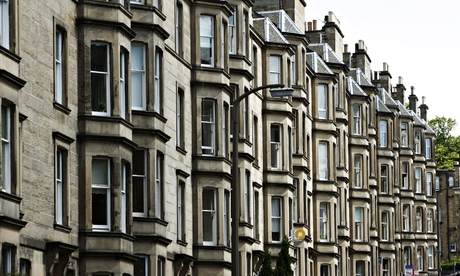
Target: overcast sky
(420,41)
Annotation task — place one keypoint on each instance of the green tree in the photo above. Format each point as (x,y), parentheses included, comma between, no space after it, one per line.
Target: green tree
(283,265)
(447,146)
(266,269)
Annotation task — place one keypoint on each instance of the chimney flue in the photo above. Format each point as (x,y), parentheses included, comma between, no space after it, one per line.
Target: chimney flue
(400,80)
(345,48)
(310,28)
(314,24)
(385,67)
(412,90)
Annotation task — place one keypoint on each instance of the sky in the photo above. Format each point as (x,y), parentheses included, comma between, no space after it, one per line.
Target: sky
(417,39)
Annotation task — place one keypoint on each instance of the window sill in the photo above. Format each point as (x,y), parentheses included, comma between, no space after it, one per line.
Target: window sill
(62,108)
(62,228)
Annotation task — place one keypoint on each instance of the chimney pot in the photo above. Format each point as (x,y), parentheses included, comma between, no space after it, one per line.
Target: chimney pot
(423,99)
(400,80)
(412,88)
(310,28)
(314,24)
(345,46)
(385,67)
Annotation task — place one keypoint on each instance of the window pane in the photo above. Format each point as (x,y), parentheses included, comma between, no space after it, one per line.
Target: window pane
(100,172)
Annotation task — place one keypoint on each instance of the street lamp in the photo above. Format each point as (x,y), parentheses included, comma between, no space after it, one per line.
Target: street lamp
(276,90)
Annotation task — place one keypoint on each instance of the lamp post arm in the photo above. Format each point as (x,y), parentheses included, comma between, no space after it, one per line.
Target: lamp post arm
(252,91)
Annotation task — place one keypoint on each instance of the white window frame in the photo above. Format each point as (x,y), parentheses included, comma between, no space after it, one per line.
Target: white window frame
(7,116)
(61,164)
(107,79)
(226,217)
(276,137)
(360,268)
(417,142)
(207,33)
(383,133)
(322,101)
(139,92)
(124,207)
(158,79)
(208,123)
(295,200)
(59,64)
(180,210)
(160,264)
(122,84)
(428,148)
(247,196)
(385,267)
(323,171)
(180,118)
(143,178)
(293,70)
(429,184)
(450,181)
(420,258)
(429,220)
(430,254)
(275,69)
(5,24)
(384,179)
(406,217)
(159,186)
(359,223)
(418,180)
(385,226)
(232,49)
(323,221)
(404,134)
(418,220)
(277,218)
(213,213)
(244,33)
(105,188)
(178,22)
(405,175)
(357,119)
(358,170)
(406,252)
(453,246)
(294,130)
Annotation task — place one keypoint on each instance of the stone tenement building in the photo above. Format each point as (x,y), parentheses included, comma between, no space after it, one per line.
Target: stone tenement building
(116,156)
(447,183)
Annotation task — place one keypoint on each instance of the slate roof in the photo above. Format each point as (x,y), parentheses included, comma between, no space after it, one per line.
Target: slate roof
(354,88)
(381,101)
(326,52)
(282,20)
(318,65)
(359,76)
(266,29)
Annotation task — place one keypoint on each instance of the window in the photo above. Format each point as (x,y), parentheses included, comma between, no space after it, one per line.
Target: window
(161,266)
(255,143)
(123,108)
(358,170)
(357,125)
(244,33)
(275,145)
(405,175)
(403,134)
(158,85)
(359,227)
(322,101)
(277,234)
(159,204)
(141,266)
(428,148)
(385,226)
(207,40)
(385,267)
(156,3)
(179,28)
(59,70)
(100,79)
(418,220)
(7,147)
(322,161)
(418,180)
(180,132)
(61,214)
(225,130)
(453,246)
(359,268)
(323,221)
(451,181)
(256,215)
(437,184)
(420,258)
(180,211)
(429,220)
(8,257)
(5,24)
(226,218)
(295,201)
(209,217)
(384,179)
(293,71)
(247,196)
(232,32)
(208,134)
(294,130)
(417,140)
(383,134)
(429,184)
(24,267)
(255,64)
(124,207)
(406,253)
(325,270)
(275,69)
(223,44)
(430,256)
(101,194)
(336,95)
(406,217)
(139,178)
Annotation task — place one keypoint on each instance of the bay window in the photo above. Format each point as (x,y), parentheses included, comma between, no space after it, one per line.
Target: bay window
(322,101)
(384,179)
(207,40)
(323,160)
(358,170)
(101,207)
(404,134)
(275,69)
(385,226)
(276,218)
(383,134)
(357,119)
(359,227)
(7,147)
(139,178)
(138,76)
(323,221)
(209,215)
(100,79)
(275,146)
(208,133)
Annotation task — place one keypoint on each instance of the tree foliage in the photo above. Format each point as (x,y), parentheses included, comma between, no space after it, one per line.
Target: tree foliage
(266,269)
(283,264)
(447,146)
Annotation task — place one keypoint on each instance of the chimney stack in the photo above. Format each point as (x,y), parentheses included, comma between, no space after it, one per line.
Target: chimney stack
(423,110)
(413,100)
(398,94)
